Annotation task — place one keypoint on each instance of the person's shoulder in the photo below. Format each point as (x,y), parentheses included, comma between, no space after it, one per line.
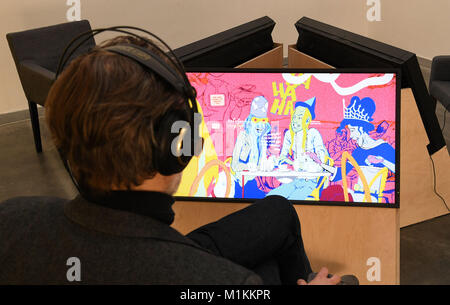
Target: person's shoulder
(33,200)
(201,267)
(29,204)
(19,213)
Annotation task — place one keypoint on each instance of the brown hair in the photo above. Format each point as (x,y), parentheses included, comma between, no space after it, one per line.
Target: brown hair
(103,113)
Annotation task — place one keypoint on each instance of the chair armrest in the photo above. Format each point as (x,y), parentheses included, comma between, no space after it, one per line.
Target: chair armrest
(36,81)
(440,68)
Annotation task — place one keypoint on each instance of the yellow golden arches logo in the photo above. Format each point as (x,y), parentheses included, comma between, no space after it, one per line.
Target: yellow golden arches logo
(347,157)
(383,172)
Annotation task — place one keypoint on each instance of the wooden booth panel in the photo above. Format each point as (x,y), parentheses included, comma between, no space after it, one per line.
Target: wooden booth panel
(190,215)
(343,239)
(270,59)
(346,239)
(418,201)
(297,59)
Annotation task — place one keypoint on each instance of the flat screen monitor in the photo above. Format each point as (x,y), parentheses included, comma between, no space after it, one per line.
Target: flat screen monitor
(322,137)
(230,48)
(344,49)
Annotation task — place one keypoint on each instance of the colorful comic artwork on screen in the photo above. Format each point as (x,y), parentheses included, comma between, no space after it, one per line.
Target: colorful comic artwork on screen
(325,137)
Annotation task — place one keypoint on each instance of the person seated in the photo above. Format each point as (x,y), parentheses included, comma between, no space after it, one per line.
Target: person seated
(303,148)
(250,151)
(104,112)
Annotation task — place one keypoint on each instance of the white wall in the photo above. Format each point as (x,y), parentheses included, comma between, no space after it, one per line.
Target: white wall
(183,21)
(419,26)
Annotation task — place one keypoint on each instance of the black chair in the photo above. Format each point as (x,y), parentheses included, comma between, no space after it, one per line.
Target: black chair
(36,54)
(440,80)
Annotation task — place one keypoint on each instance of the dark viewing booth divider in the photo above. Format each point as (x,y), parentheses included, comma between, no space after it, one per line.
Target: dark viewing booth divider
(343,49)
(230,48)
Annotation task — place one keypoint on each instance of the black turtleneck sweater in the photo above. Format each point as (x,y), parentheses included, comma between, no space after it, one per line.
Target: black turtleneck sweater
(153,204)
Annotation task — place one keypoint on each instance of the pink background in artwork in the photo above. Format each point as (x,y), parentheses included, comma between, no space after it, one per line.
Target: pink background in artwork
(234,93)
(239,90)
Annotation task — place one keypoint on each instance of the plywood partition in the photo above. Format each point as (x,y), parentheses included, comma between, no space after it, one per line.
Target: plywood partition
(418,201)
(344,239)
(270,59)
(297,59)
(348,239)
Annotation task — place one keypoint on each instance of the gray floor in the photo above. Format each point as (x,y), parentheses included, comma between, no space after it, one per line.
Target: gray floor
(425,253)
(23,172)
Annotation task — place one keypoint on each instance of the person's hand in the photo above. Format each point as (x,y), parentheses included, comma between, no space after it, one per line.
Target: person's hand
(322,279)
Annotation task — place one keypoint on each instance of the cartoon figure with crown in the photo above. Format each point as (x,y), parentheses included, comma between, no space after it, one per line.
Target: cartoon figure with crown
(250,150)
(303,148)
(372,158)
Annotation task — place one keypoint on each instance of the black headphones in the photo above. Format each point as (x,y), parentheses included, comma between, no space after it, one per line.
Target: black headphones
(171,155)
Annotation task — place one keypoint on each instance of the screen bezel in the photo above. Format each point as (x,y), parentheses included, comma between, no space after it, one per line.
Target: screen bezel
(395,71)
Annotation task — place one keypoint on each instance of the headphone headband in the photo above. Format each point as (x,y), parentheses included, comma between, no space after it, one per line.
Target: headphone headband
(188,90)
(119,29)
(147,59)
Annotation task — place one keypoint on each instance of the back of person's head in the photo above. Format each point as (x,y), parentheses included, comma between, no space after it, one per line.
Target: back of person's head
(104,112)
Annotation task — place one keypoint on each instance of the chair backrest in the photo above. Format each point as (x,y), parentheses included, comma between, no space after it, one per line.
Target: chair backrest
(44,46)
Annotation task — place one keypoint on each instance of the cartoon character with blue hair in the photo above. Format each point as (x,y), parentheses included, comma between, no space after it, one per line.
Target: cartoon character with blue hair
(250,150)
(303,148)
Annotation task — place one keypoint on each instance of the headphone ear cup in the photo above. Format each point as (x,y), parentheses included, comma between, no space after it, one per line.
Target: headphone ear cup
(173,133)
